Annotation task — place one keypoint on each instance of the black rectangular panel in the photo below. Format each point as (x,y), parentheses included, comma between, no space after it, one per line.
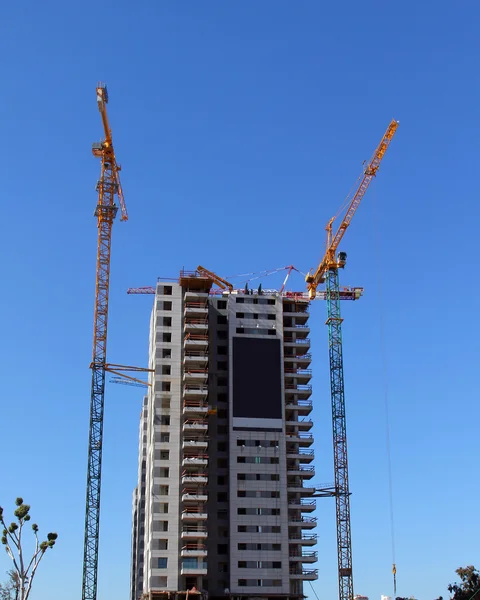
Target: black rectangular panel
(257,390)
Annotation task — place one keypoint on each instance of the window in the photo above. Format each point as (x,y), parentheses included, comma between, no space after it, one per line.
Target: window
(165,420)
(162,563)
(165,402)
(167,290)
(222,304)
(163,525)
(257,494)
(239,330)
(163,544)
(166,369)
(167,321)
(240,315)
(158,582)
(222,446)
(270,300)
(164,454)
(222,513)
(222,548)
(222,335)
(258,460)
(222,497)
(222,463)
(165,437)
(222,381)
(167,337)
(271,316)
(259,529)
(163,490)
(221,480)
(166,353)
(163,507)
(167,305)
(222,365)
(222,397)
(164,472)
(258,511)
(255,315)
(258,477)
(221,429)
(223,567)
(222,413)
(271,332)
(222,320)
(254,546)
(240,300)
(222,350)
(165,386)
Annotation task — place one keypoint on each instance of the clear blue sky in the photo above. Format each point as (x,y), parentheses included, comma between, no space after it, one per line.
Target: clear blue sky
(241,126)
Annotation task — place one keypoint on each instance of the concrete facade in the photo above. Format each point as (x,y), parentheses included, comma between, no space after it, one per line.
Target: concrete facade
(223,500)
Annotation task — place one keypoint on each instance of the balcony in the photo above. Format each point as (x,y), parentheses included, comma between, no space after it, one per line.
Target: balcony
(195,341)
(195,408)
(196,356)
(302,424)
(296,309)
(301,406)
(303,504)
(300,330)
(194,496)
(199,425)
(195,308)
(190,477)
(304,358)
(296,487)
(191,532)
(304,456)
(305,575)
(300,390)
(194,514)
(200,444)
(304,471)
(195,461)
(305,539)
(303,522)
(194,325)
(297,374)
(303,439)
(193,571)
(194,550)
(195,376)
(295,340)
(193,390)
(304,557)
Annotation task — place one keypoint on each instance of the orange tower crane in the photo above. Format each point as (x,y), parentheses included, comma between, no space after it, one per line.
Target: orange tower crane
(327,271)
(108,187)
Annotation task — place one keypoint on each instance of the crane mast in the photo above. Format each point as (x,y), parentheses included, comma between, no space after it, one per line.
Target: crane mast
(327,271)
(107,187)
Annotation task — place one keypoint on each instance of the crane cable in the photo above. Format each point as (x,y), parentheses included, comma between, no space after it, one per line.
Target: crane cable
(385,386)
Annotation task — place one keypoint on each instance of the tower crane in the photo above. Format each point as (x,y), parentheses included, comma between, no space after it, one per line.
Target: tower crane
(223,284)
(108,187)
(327,271)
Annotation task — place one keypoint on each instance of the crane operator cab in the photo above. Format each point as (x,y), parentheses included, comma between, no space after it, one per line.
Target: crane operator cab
(341,259)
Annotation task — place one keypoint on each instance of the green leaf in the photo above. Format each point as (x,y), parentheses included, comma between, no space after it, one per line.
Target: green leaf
(22,511)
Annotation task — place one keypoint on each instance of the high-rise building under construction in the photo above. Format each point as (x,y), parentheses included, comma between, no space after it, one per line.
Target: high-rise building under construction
(224,498)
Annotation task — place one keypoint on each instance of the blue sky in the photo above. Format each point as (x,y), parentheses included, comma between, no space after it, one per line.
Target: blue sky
(241,126)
